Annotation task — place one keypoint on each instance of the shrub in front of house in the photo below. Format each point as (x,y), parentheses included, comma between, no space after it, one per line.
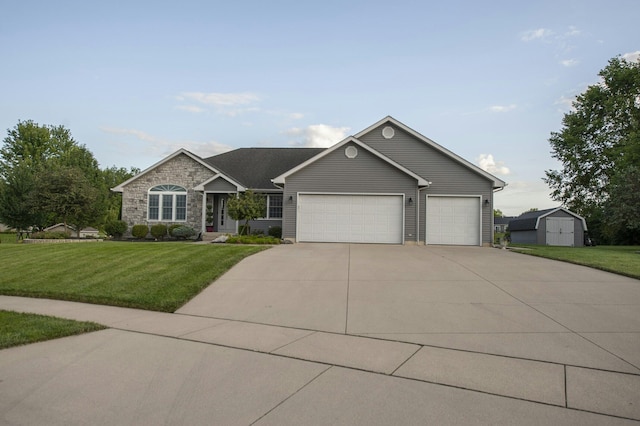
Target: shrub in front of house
(116,228)
(159,231)
(276,232)
(139,231)
(183,232)
(47,235)
(252,239)
(173,228)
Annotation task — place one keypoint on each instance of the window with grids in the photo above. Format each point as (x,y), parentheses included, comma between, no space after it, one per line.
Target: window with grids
(274,207)
(167,203)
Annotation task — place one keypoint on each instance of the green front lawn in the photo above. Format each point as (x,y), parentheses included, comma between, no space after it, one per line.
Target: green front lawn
(20,329)
(623,260)
(153,276)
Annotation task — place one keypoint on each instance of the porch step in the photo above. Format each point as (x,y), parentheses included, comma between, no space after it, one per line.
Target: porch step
(210,236)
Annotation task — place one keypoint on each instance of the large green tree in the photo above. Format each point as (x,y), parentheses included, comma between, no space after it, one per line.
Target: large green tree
(30,153)
(67,196)
(598,143)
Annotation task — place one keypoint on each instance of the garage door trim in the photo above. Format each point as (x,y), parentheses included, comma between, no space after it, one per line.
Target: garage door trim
(395,194)
(479,205)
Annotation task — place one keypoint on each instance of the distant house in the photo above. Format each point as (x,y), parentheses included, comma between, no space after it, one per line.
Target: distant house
(500,224)
(88,232)
(552,227)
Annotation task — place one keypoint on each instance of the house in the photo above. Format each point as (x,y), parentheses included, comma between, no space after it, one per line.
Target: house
(500,224)
(87,232)
(553,227)
(385,184)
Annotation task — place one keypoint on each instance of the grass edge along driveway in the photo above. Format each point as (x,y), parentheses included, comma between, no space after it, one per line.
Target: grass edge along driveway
(18,329)
(622,260)
(152,276)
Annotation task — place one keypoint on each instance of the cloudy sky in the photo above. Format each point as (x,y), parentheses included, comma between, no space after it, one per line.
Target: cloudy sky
(137,80)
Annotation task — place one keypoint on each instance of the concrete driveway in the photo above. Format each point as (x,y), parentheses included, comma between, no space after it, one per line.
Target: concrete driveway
(348,334)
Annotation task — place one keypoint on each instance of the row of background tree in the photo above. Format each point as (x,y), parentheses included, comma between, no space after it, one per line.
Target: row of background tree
(46,177)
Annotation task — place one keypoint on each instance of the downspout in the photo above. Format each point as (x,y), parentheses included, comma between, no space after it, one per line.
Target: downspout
(418,216)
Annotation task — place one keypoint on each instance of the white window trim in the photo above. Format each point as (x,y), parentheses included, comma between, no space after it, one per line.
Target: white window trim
(174,206)
(268,217)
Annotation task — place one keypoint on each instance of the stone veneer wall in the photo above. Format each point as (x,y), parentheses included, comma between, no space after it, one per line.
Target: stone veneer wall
(180,170)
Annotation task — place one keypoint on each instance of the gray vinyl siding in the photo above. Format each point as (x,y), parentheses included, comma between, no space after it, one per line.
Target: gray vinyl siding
(335,173)
(220,185)
(447,176)
(524,237)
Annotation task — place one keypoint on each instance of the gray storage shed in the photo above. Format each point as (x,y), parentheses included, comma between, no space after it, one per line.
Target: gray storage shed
(552,227)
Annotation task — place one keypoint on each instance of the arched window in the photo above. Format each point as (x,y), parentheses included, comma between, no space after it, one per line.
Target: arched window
(167,203)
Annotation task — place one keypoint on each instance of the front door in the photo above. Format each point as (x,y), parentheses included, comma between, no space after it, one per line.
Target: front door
(225,223)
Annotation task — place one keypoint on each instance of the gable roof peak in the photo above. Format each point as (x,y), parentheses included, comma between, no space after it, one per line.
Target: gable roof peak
(497,183)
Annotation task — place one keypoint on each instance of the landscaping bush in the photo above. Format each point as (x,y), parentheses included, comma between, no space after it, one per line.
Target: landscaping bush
(173,228)
(116,228)
(257,232)
(139,231)
(276,232)
(183,232)
(42,235)
(244,230)
(159,231)
(252,239)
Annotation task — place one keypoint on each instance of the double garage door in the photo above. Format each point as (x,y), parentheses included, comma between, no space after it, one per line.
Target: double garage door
(350,218)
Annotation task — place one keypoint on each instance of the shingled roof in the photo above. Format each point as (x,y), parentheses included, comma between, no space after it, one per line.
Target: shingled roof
(255,167)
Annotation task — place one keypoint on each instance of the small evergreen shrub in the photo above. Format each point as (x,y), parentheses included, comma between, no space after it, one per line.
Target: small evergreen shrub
(159,231)
(257,232)
(116,228)
(173,228)
(276,232)
(244,230)
(183,232)
(139,231)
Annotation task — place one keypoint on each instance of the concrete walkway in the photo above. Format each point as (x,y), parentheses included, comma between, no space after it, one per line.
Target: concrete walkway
(348,334)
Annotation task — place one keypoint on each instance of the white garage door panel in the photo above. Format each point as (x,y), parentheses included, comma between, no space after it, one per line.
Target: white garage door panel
(453,220)
(350,218)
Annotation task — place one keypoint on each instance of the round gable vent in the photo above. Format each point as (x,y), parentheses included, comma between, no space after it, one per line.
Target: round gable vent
(351,152)
(388,132)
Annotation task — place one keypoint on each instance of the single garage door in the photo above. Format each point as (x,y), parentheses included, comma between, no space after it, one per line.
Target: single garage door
(453,220)
(350,218)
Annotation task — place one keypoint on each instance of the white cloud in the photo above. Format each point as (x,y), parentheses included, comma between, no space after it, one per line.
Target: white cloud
(502,108)
(520,196)
(317,135)
(220,99)
(566,103)
(131,132)
(573,31)
(296,115)
(537,34)
(570,62)
(158,147)
(632,56)
(488,164)
(190,108)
